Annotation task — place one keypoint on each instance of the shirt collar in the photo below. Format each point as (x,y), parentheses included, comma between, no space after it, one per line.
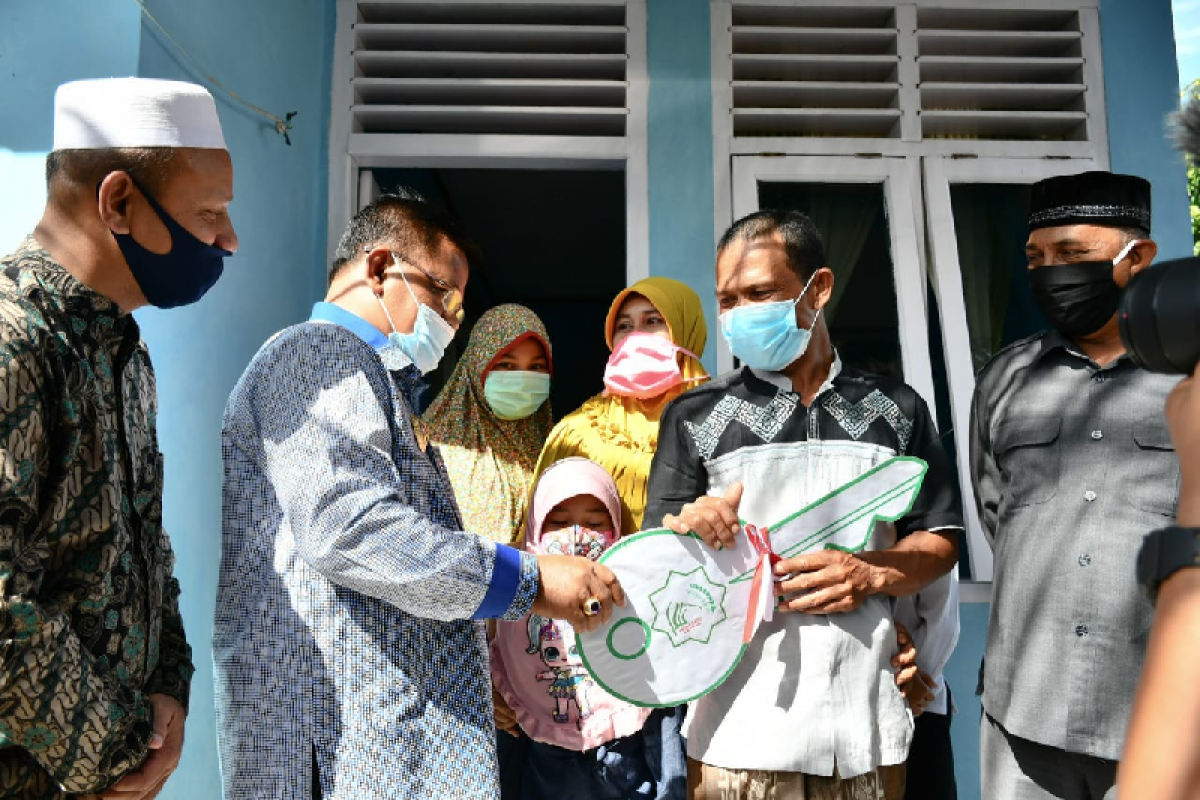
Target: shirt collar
(784,383)
(394,360)
(329,312)
(69,294)
(1054,340)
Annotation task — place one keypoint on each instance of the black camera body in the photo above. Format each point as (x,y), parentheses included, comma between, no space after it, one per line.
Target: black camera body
(1159,317)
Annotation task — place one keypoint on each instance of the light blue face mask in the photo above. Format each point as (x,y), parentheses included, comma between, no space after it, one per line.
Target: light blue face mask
(430,336)
(765,335)
(515,394)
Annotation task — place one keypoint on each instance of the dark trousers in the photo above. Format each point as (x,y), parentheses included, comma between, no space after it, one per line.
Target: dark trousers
(931,758)
(1018,769)
(512,752)
(316,776)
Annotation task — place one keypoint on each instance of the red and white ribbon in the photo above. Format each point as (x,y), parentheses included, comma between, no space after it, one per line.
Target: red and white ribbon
(762,600)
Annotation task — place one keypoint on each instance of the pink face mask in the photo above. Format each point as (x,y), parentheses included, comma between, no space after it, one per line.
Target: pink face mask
(644,366)
(574,541)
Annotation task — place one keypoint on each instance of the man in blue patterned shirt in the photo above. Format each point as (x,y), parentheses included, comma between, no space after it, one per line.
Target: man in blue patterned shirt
(349,641)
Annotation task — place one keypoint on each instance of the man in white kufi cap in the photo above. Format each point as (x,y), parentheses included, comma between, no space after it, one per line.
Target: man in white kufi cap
(96,668)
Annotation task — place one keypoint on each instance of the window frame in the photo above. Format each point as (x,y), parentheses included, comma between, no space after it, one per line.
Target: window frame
(353,155)
(901,185)
(955,159)
(946,276)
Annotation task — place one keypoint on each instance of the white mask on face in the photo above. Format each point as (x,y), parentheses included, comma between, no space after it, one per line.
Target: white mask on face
(430,336)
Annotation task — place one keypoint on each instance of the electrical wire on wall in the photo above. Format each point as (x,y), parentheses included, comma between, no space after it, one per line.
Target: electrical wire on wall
(281,124)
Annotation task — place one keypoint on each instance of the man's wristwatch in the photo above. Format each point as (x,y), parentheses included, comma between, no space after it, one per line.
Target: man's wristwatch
(1165,552)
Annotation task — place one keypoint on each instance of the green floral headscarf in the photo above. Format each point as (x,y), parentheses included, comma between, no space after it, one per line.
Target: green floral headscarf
(490,460)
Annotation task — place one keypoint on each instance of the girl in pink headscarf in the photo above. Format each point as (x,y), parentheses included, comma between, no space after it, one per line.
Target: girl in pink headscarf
(585,742)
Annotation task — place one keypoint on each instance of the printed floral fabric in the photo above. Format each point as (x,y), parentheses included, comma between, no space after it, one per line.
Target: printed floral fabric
(89,616)
(490,460)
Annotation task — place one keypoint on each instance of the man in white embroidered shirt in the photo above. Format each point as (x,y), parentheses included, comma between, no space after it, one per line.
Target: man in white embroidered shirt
(812,710)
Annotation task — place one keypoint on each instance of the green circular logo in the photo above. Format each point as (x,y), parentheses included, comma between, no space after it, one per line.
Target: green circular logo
(645,643)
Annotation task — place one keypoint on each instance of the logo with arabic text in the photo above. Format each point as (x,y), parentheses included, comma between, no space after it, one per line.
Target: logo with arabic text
(688,606)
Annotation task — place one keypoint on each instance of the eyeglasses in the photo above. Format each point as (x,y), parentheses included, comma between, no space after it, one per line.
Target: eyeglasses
(452,298)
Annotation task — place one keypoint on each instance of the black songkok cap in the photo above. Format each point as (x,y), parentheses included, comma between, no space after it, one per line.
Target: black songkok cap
(1091,198)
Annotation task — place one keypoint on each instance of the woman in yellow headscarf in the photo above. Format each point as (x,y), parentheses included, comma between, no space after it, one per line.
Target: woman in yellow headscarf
(656,332)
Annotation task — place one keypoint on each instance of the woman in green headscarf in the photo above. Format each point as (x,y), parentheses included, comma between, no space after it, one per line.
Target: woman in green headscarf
(492,418)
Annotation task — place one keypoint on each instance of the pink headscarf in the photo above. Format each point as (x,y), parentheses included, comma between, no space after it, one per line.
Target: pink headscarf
(569,478)
(535,665)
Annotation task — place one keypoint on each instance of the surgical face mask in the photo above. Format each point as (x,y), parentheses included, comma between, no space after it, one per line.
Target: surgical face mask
(1078,299)
(644,366)
(515,394)
(179,277)
(765,335)
(575,541)
(430,336)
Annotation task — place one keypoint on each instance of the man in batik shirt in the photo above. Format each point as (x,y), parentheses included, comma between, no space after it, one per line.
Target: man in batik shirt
(94,666)
(811,711)
(349,644)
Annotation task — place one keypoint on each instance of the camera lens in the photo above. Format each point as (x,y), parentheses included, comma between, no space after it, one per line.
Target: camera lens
(1160,317)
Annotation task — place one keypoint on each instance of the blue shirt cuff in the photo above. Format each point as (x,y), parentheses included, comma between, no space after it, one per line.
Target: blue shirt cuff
(513,588)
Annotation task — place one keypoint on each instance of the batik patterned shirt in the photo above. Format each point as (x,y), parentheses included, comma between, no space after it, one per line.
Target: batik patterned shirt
(349,615)
(812,690)
(89,616)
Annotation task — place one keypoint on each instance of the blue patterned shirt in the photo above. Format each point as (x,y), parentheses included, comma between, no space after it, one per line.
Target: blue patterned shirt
(348,626)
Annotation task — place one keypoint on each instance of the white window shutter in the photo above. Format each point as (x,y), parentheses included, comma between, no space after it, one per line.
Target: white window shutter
(806,70)
(504,68)
(989,73)
(920,71)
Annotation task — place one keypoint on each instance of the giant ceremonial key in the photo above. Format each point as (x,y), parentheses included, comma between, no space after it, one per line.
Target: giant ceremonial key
(691,610)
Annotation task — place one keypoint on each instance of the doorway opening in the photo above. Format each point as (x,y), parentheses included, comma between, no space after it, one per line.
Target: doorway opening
(552,240)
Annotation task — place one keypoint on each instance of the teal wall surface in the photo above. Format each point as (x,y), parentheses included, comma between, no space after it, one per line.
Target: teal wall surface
(29,73)
(680,147)
(277,54)
(962,673)
(1141,79)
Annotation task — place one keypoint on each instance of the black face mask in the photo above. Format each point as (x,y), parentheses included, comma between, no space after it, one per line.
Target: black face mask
(179,277)
(1078,299)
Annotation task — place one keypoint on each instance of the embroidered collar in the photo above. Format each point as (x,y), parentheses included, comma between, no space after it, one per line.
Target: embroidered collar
(784,383)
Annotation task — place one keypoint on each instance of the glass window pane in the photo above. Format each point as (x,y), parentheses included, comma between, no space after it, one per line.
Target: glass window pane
(862,315)
(991,229)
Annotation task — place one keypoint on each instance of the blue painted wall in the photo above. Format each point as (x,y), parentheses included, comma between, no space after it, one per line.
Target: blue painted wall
(29,73)
(679,126)
(277,54)
(962,673)
(1140,86)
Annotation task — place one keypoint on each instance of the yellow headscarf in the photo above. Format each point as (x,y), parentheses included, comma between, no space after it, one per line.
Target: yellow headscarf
(621,433)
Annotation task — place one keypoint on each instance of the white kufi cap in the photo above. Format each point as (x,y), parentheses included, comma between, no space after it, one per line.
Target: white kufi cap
(135,112)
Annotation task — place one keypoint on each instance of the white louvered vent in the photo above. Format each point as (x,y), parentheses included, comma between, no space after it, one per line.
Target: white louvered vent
(924,70)
(1001,74)
(490,68)
(815,71)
